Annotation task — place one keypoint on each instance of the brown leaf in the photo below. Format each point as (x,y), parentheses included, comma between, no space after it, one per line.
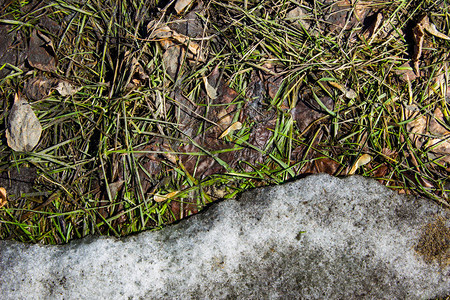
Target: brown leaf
(172,58)
(435,123)
(370,31)
(406,72)
(38,88)
(320,165)
(12,45)
(115,187)
(24,130)
(431,29)
(343,15)
(41,54)
(326,165)
(165,33)
(440,147)
(416,129)
(18,179)
(307,111)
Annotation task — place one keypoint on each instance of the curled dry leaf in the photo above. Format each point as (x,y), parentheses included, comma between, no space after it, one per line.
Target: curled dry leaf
(24,130)
(362,160)
(2,197)
(233,127)
(161,198)
(418,34)
(431,29)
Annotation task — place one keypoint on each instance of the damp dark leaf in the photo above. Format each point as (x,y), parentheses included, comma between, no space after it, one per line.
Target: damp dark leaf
(18,179)
(39,87)
(307,111)
(41,54)
(12,50)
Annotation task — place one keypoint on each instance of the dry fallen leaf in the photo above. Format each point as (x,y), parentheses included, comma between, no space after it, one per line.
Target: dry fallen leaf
(115,187)
(371,30)
(24,130)
(431,29)
(40,87)
(181,5)
(362,160)
(65,88)
(440,147)
(349,93)
(416,129)
(41,54)
(161,198)
(172,57)
(165,33)
(210,90)
(418,34)
(406,72)
(233,127)
(2,197)
(436,122)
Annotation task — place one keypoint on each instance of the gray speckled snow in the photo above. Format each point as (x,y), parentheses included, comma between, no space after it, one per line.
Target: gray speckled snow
(318,237)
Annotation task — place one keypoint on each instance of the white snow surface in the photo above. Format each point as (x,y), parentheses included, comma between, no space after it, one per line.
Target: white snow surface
(318,237)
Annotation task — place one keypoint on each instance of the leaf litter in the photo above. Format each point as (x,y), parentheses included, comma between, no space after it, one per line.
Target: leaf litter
(199,101)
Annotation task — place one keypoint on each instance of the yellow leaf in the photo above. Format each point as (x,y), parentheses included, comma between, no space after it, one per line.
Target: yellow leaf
(233,127)
(2,197)
(362,160)
(161,198)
